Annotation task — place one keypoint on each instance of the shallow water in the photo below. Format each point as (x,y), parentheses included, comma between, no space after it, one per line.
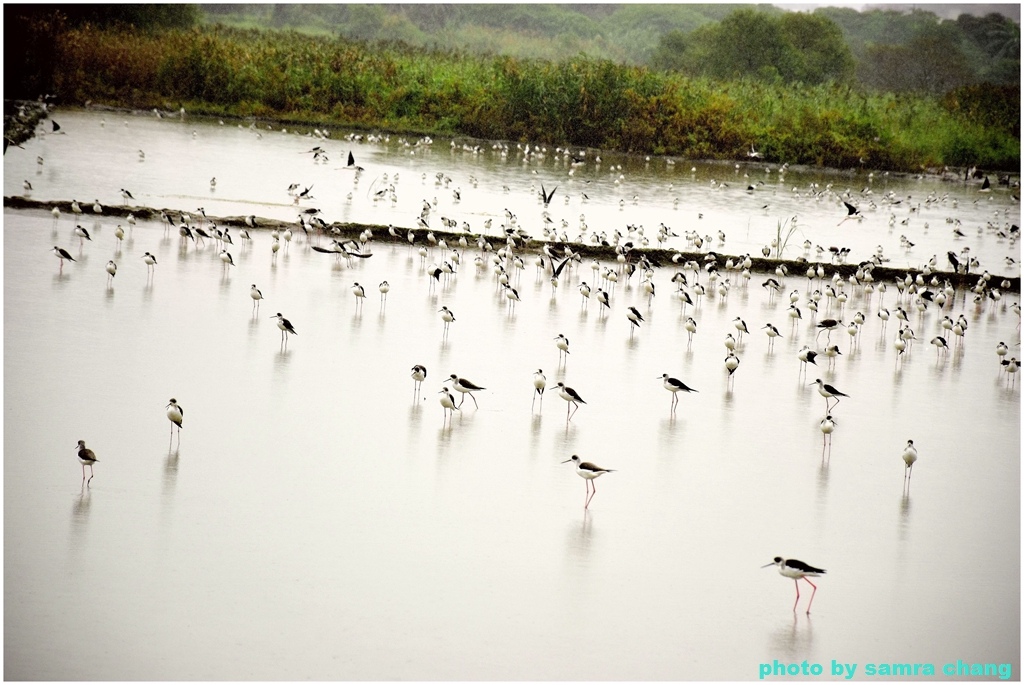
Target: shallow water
(317,520)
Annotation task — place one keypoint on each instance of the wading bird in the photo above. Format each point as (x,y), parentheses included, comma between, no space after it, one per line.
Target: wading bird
(674,386)
(87,457)
(176,415)
(795,569)
(589,472)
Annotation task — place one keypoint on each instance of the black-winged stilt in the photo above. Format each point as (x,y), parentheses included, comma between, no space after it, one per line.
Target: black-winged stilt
(827,425)
(256,296)
(419,374)
(466,387)
(562,343)
(635,318)
(589,472)
(828,392)
(447,402)
(796,569)
(851,213)
(82,234)
(62,254)
(909,457)
(176,415)
(540,382)
(674,385)
(286,327)
(447,317)
(87,457)
(570,396)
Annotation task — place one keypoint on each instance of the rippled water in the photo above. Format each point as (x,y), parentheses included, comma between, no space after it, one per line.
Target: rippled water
(319,520)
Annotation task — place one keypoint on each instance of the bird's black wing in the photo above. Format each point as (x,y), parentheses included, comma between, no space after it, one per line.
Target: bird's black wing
(556,271)
(801,566)
(546,196)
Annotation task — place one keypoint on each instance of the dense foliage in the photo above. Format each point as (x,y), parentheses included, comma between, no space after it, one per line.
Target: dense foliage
(790,47)
(578,101)
(697,39)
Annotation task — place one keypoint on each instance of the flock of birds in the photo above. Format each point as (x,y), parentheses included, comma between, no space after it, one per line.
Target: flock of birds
(688,279)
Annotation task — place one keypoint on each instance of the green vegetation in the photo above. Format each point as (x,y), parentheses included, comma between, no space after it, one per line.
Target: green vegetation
(791,47)
(796,101)
(715,40)
(620,33)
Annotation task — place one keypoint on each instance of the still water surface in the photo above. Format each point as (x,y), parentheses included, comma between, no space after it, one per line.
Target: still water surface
(317,520)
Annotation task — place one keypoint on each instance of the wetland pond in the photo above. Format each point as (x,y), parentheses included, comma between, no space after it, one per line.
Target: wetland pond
(319,519)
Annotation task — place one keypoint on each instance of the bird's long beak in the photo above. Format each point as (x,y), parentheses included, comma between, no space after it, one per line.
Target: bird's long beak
(767,565)
(567,461)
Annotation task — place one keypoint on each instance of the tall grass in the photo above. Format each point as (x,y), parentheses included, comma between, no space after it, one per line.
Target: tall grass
(579,102)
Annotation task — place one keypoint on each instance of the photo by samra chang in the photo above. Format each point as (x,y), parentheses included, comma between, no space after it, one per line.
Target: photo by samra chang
(957,669)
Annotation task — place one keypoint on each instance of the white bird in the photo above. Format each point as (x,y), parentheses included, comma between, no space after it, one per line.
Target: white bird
(419,374)
(111,270)
(732,362)
(447,317)
(540,382)
(909,457)
(176,415)
(562,343)
(447,401)
(256,296)
(828,424)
